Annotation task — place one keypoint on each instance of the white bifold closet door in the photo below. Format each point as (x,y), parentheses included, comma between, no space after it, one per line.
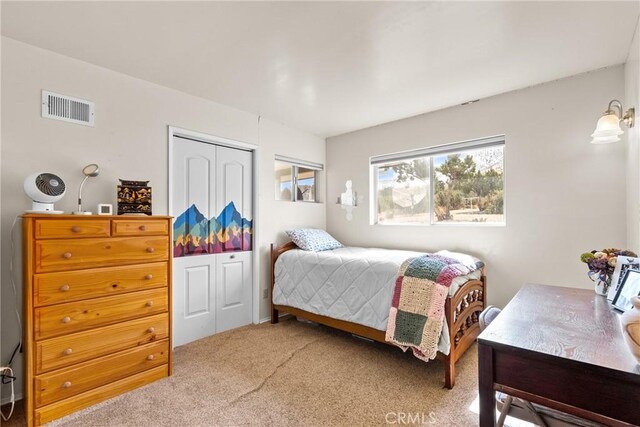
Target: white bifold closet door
(213,239)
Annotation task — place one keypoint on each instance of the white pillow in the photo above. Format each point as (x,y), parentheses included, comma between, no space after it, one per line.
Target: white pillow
(313,239)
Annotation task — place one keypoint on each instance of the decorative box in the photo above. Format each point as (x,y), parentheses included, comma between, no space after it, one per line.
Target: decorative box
(134,197)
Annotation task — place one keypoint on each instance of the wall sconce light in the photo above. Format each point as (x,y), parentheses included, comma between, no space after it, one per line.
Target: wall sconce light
(608,128)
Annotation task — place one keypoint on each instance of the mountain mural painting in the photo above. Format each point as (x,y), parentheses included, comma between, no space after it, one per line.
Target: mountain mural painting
(194,234)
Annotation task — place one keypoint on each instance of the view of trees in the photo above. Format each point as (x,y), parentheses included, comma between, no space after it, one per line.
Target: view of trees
(461,186)
(467,188)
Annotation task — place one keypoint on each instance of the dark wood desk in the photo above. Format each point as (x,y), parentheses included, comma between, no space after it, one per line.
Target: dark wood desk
(562,348)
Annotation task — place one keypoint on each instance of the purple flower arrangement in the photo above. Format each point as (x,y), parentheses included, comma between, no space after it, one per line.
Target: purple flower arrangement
(602,263)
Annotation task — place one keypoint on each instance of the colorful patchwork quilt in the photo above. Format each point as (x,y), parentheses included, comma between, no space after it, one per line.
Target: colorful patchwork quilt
(416,316)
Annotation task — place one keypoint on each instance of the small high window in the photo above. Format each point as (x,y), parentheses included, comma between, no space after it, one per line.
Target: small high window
(296,180)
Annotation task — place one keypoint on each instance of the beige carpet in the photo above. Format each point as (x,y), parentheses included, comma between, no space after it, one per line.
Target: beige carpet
(293,374)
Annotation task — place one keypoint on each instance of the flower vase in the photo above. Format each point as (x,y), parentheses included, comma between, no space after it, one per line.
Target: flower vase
(631,327)
(601,285)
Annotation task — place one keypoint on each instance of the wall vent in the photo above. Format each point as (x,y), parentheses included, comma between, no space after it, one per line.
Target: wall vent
(67,108)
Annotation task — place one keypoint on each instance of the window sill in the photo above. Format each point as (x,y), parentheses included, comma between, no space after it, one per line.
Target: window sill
(446,224)
(299,201)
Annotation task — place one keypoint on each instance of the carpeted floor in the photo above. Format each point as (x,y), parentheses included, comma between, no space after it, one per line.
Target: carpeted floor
(291,374)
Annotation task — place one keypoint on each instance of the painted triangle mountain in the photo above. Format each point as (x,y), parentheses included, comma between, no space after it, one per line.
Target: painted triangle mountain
(194,234)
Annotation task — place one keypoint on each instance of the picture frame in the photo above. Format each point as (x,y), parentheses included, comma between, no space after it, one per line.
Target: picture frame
(629,288)
(623,264)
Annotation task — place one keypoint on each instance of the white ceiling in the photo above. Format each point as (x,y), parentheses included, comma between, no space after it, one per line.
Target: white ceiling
(333,67)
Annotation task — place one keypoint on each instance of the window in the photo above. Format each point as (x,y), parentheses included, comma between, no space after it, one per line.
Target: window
(402,192)
(284,180)
(306,183)
(457,183)
(296,180)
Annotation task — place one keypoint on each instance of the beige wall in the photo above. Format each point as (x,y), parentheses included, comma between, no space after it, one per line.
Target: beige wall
(276,215)
(564,196)
(632,99)
(129,141)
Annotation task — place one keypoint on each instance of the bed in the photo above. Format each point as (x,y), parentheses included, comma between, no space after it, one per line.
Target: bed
(329,288)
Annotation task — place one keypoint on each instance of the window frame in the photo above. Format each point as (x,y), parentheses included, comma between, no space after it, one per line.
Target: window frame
(430,153)
(296,179)
(295,164)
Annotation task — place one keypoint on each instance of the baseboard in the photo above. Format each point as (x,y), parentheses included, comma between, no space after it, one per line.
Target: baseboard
(7,399)
(268,319)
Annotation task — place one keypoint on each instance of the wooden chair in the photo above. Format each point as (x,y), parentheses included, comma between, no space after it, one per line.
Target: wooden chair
(523,409)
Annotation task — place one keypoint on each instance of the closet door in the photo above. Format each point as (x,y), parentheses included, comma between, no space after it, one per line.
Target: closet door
(194,264)
(233,267)
(213,238)
(233,287)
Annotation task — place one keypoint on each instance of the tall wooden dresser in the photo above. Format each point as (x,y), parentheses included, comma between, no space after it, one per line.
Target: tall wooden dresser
(97,309)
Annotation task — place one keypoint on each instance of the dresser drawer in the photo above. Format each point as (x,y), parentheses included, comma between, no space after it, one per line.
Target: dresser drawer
(81,315)
(59,409)
(71,228)
(68,382)
(139,227)
(58,255)
(55,288)
(63,351)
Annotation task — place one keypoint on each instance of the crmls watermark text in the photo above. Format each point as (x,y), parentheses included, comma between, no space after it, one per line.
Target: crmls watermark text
(409,418)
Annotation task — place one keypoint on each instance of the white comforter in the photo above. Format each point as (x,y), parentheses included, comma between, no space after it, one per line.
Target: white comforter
(352,284)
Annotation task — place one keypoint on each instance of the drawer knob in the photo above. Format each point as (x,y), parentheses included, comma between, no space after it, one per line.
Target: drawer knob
(66,384)
(232,256)
(151,250)
(150,357)
(66,255)
(149,304)
(149,276)
(64,288)
(75,229)
(66,319)
(68,351)
(151,330)
(143,227)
